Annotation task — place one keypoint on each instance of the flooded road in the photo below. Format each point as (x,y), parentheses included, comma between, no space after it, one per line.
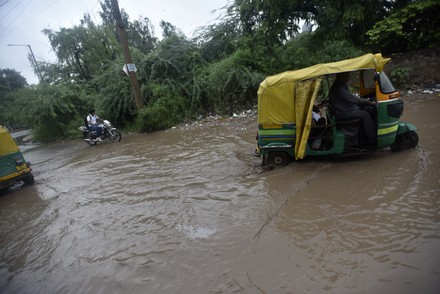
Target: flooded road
(191,211)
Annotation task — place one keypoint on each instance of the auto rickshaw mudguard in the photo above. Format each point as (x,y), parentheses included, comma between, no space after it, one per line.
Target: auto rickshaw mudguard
(405,127)
(13,166)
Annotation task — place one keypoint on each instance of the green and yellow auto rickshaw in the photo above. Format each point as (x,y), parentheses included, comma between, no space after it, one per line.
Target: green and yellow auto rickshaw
(13,166)
(286,101)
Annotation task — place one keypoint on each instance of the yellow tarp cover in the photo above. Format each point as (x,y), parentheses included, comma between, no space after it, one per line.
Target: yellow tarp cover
(7,144)
(288,98)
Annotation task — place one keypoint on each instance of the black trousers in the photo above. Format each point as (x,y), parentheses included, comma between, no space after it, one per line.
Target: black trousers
(367,121)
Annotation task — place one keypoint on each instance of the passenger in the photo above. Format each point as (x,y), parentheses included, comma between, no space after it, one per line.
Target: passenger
(347,106)
(317,121)
(316,115)
(92,120)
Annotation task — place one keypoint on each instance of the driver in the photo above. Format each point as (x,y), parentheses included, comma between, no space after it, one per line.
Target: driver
(92,120)
(348,106)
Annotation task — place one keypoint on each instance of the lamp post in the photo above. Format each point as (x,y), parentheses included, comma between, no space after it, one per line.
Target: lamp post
(33,58)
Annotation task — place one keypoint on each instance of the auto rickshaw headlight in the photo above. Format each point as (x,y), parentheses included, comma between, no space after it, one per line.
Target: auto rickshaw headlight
(18,160)
(395,95)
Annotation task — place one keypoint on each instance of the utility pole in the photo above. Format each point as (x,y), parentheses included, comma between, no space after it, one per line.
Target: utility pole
(127,55)
(33,59)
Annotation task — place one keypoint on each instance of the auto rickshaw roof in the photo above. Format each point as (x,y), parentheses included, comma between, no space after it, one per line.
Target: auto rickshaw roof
(7,144)
(288,97)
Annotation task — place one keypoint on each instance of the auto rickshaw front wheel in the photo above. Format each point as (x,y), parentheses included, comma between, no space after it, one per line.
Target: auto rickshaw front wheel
(278,158)
(29,179)
(405,141)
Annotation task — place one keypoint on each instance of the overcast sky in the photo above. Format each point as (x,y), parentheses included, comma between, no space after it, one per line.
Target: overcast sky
(21,22)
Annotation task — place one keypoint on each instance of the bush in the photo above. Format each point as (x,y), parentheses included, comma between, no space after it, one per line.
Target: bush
(231,85)
(166,110)
(400,76)
(153,118)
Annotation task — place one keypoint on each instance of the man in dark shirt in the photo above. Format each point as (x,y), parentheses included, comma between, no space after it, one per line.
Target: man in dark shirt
(348,106)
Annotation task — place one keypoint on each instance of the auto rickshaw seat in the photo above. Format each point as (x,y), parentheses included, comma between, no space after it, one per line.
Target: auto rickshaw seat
(350,127)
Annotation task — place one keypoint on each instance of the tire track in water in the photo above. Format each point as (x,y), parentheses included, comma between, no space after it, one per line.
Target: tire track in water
(297,188)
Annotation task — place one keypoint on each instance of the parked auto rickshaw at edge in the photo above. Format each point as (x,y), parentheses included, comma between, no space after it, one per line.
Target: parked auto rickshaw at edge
(13,166)
(286,101)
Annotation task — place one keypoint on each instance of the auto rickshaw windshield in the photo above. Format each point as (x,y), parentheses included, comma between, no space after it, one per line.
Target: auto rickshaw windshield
(386,86)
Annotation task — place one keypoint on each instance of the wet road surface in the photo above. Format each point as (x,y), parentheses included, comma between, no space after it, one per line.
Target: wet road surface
(191,211)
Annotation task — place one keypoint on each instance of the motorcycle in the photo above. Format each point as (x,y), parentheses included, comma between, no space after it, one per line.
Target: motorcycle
(90,137)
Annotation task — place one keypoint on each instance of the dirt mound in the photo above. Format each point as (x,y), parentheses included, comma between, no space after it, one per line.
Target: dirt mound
(421,67)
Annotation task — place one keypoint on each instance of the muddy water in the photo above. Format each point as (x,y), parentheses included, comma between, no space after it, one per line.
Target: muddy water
(191,211)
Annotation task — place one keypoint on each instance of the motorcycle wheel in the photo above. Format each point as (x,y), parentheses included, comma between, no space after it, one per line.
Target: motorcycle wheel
(88,139)
(115,136)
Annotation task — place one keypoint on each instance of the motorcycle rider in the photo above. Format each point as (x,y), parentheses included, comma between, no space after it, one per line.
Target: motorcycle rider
(92,121)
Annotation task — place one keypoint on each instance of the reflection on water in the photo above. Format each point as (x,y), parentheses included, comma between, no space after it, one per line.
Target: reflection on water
(191,211)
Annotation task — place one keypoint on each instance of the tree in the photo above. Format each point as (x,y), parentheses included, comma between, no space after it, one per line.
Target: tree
(140,32)
(83,51)
(169,30)
(141,35)
(218,41)
(349,19)
(230,84)
(276,20)
(54,110)
(272,22)
(174,63)
(11,80)
(414,26)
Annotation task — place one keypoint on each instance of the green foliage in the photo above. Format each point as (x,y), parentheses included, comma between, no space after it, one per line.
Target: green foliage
(414,26)
(348,19)
(52,109)
(337,50)
(400,76)
(231,84)
(218,41)
(11,80)
(276,20)
(216,73)
(141,34)
(13,106)
(153,118)
(83,51)
(307,50)
(166,110)
(114,97)
(175,65)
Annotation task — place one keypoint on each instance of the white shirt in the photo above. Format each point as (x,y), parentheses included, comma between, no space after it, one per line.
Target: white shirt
(315,116)
(92,119)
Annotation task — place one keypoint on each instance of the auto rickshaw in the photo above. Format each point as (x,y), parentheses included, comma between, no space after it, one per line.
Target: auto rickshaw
(286,101)
(13,166)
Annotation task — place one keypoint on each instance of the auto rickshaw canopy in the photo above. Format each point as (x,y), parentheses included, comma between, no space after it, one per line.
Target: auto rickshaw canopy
(7,144)
(288,97)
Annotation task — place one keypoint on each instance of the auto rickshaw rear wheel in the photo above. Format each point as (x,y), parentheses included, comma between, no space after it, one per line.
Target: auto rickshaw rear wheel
(405,141)
(278,158)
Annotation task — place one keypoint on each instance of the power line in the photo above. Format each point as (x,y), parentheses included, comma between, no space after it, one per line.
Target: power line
(17,15)
(30,18)
(4,3)
(18,3)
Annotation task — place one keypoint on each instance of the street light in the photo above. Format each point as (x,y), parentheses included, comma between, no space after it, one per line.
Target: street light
(33,58)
